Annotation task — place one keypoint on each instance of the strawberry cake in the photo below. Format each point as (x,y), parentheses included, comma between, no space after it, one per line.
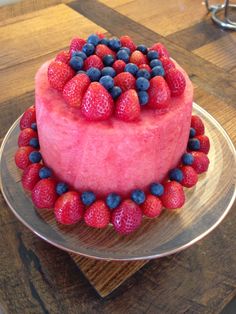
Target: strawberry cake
(111,137)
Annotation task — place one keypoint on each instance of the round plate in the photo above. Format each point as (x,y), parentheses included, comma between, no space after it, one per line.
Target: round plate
(206,206)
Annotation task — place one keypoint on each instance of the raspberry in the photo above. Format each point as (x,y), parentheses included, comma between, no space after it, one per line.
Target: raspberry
(152,207)
(25,136)
(97,215)
(44,193)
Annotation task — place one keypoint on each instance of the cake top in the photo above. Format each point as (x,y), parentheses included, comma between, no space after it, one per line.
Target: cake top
(104,77)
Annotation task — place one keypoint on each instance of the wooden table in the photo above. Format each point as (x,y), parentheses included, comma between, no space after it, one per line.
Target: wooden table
(38,278)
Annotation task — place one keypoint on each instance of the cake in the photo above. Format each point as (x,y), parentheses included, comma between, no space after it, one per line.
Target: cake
(117,138)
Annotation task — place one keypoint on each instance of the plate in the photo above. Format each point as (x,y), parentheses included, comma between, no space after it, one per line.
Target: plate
(206,206)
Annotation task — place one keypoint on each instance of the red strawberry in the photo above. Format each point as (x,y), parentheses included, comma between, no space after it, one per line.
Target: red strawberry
(25,136)
(102,50)
(29,117)
(176,81)
(31,176)
(137,57)
(68,208)
(97,103)
(159,93)
(126,41)
(161,49)
(76,44)
(201,162)
(127,106)
(197,124)
(190,176)
(167,63)
(152,207)
(119,66)
(146,67)
(173,196)
(63,56)
(204,143)
(125,81)
(22,156)
(100,35)
(93,61)
(75,89)
(44,193)
(97,215)
(127,217)
(59,74)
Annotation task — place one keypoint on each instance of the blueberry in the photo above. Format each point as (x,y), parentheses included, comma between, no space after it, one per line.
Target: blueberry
(108,71)
(115,92)
(192,132)
(108,60)
(122,55)
(142,83)
(187,159)
(138,196)
(76,63)
(156,189)
(94,74)
(143,73)
(143,49)
(45,173)
(155,62)
(113,200)
(88,198)
(93,39)
(80,54)
(157,71)
(107,81)
(34,142)
(61,188)
(104,41)
(193,144)
(88,49)
(143,97)
(152,54)
(126,49)
(35,157)
(176,175)
(114,44)
(34,126)
(131,68)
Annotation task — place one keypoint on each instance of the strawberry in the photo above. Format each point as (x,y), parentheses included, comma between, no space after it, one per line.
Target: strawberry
(63,56)
(197,124)
(152,207)
(22,156)
(175,81)
(127,217)
(100,35)
(93,62)
(44,193)
(119,66)
(102,50)
(201,162)
(68,208)
(31,176)
(97,103)
(161,49)
(167,63)
(190,176)
(97,215)
(25,136)
(125,81)
(146,67)
(126,41)
(59,74)
(173,196)
(76,44)
(28,117)
(74,90)
(127,106)
(137,57)
(204,143)
(159,93)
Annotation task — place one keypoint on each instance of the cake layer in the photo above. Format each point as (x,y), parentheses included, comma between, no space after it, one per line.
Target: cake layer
(110,156)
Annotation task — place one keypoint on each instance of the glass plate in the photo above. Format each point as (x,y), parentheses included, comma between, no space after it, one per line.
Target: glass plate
(206,206)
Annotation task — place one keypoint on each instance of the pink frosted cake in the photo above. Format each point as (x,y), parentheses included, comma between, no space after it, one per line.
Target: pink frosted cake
(117,139)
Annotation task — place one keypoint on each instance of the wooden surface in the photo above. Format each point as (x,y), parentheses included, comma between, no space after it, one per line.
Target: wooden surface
(38,278)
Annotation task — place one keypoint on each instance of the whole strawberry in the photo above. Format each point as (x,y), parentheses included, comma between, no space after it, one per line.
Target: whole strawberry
(197,125)
(127,217)
(161,49)
(127,42)
(97,215)
(152,207)
(63,56)
(28,117)
(173,196)
(127,106)
(145,67)
(159,93)
(119,66)
(167,63)
(76,44)
(30,176)
(204,143)
(22,156)
(201,162)
(93,62)
(102,50)
(44,193)
(25,136)
(75,89)
(125,81)
(138,58)
(59,73)
(68,208)
(175,81)
(190,176)
(97,103)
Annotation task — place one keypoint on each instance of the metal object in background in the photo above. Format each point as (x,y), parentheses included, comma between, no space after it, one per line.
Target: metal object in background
(217,8)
